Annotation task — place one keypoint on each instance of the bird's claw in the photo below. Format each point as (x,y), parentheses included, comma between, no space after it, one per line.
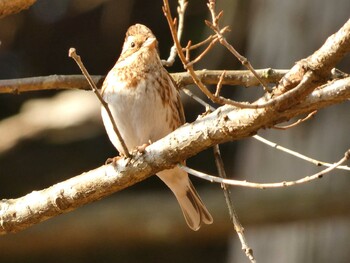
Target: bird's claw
(142,148)
(113,160)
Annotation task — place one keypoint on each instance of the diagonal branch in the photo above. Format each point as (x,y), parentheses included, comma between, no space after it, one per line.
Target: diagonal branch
(73,54)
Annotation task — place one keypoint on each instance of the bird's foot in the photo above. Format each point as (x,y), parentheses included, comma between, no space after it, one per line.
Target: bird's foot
(113,160)
(142,148)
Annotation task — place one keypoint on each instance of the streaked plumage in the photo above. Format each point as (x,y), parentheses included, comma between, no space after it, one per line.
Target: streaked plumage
(146,106)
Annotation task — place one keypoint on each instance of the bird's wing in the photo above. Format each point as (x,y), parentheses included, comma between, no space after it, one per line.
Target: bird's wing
(178,103)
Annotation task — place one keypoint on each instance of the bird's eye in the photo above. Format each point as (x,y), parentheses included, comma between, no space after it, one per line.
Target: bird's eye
(132,44)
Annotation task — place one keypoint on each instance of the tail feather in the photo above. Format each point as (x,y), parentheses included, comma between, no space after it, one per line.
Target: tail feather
(194,210)
(192,207)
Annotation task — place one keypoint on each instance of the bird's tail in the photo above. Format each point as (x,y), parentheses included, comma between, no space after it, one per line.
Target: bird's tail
(191,204)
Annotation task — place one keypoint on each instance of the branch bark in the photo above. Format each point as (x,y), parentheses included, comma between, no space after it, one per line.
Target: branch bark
(232,77)
(209,77)
(225,124)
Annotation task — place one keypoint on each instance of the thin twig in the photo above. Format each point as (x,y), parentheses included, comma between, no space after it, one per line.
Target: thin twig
(72,53)
(285,127)
(181,12)
(275,102)
(190,70)
(289,98)
(214,25)
(198,99)
(218,87)
(298,155)
(209,39)
(306,179)
(187,50)
(201,55)
(270,143)
(233,215)
(221,170)
(209,77)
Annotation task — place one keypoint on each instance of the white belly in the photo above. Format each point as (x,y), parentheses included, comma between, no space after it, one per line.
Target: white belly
(139,114)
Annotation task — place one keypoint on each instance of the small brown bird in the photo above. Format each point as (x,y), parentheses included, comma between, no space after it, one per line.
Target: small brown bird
(146,106)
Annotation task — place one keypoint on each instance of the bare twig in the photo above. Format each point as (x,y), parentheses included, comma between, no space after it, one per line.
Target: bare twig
(182,4)
(209,39)
(189,67)
(201,55)
(305,76)
(270,143)
(72,53)
(233,215)
(307,83)
(209,77)
(187,50)
(287,99)
(221,170)
(298,155)
(218,87)
(285,127)
(52,82)
(306,179)
(214,25)
(190,70)
(232,77)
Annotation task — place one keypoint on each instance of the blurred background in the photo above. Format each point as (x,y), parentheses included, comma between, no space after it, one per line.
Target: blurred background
(49,136)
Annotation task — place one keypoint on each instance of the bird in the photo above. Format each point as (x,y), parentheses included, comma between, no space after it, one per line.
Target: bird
(145,104)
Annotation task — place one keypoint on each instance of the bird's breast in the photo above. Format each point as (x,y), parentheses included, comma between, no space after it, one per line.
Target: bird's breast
(138,112)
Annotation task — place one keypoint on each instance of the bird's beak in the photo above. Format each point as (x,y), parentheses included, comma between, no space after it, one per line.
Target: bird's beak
(151,42)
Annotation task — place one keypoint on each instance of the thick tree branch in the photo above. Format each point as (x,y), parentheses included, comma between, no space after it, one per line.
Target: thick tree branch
(225,124)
